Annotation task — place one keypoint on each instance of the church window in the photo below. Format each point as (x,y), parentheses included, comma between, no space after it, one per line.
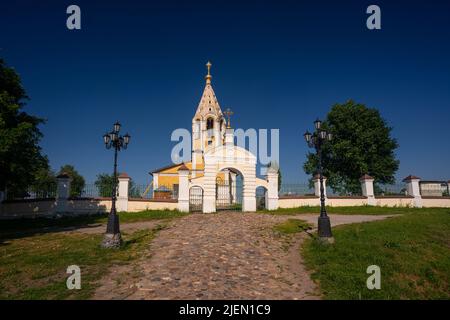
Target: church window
(210,123)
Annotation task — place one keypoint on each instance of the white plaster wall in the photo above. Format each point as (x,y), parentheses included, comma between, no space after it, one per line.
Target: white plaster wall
(436,202)
(346,202)
(140,205)
(297,202)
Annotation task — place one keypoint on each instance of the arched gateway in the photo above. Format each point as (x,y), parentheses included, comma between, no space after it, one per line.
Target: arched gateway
(209,179)
(238,161)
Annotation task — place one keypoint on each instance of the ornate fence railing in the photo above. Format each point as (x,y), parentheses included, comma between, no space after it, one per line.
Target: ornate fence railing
(145,191)
(92,190)
(32,193)
(434,188)
(397,189)
(295,189)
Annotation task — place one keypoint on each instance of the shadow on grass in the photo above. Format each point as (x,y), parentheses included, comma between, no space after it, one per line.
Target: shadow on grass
(26,227)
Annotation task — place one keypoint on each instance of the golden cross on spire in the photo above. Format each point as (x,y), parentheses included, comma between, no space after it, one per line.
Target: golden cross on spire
(208,65)
(208,76)
(228,113)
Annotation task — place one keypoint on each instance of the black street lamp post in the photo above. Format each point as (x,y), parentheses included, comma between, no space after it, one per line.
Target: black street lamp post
(112,237)
(316,140)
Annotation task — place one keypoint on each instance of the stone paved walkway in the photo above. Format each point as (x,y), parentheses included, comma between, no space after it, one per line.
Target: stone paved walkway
(228,255)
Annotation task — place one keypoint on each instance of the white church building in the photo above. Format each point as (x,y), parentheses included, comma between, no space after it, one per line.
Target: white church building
(220,174)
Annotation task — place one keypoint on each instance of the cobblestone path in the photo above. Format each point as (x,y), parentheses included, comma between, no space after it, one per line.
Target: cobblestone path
(229,255)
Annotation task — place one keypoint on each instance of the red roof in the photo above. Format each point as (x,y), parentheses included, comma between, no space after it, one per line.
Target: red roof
(123,175)
(410,177)
(183,167)
(366,177)
(164,168)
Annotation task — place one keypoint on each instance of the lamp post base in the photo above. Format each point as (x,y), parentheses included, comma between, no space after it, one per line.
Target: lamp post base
(326,240)
(112,240)
(324,229)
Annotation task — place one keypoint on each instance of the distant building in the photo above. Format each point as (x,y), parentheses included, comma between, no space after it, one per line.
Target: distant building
(434,188)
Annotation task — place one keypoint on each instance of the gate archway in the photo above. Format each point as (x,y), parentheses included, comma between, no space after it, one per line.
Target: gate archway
(229,190)
(195,199)
(261,198)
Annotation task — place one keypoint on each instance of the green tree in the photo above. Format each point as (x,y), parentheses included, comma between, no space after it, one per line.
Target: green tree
(361,144)
(20,154)
(44,185)
(104,184)
(77,184)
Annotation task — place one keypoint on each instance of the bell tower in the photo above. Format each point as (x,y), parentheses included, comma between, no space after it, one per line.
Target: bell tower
(208,124)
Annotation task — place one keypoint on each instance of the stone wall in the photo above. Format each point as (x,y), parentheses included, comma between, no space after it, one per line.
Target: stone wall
(400,201)
(135,205)
(27,208)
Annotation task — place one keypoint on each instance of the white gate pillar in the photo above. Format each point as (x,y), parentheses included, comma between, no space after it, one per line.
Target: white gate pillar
(317,185)
(249,189)
(122,199)
(62,192)
(413,189)
(209,188)
(367,189)
(183,189)
(272,189)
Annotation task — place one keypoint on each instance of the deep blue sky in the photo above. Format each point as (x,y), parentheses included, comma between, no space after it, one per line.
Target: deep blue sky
(276,64)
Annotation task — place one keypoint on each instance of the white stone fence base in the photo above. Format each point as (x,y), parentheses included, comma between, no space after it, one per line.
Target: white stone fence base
(368,198)
(63,204)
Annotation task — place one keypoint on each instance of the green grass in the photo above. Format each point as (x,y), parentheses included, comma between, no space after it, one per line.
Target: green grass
(372,210)
(35,267)
(292,226)
(413,252)
(8,227)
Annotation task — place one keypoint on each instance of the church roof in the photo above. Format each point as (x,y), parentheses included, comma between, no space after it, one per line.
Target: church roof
(173,168)
(208,102)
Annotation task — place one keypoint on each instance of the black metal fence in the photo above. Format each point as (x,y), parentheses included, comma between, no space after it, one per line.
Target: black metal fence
(397,189)
(33,193)
(295,189)
(145,191)
(434,188)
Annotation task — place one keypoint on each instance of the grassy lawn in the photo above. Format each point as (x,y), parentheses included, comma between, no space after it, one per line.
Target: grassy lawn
(35,267)
(33,260)
(412,251)
(22,225)
(291,226)
(374,210)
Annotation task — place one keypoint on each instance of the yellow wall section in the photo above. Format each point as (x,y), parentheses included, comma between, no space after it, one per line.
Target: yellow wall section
(167,181)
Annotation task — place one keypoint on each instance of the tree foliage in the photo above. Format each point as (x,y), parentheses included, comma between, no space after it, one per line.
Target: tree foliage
(44,184)
(77,183)
(104,184)
(362,144)
(20,155)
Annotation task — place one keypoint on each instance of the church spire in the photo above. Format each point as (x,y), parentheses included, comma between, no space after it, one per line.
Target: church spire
(208,77)
(208,102)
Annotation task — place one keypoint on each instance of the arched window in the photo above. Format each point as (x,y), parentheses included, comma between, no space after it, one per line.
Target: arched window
(209,123)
